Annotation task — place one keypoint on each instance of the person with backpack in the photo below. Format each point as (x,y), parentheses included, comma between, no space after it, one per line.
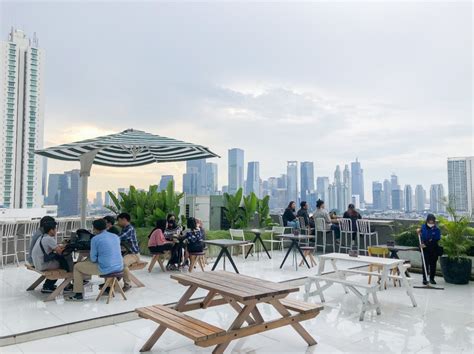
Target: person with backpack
(36,235)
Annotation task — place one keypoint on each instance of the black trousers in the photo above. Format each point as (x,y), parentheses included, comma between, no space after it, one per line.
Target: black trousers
(430,252)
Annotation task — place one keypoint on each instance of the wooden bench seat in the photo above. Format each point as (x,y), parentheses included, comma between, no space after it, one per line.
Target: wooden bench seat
(187,326)
(137,265)
(301,306)
(54,274)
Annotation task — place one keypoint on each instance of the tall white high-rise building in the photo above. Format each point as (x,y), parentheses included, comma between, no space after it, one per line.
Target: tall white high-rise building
(292,181)
(437,202)
(357,174)
(236,170)
(408,198)
(461,184)
(21,121)
(347,187)
(307,179)
(420,198)
(253,178)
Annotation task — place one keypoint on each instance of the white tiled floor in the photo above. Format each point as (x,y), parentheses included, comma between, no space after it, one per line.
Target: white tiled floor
(443,322)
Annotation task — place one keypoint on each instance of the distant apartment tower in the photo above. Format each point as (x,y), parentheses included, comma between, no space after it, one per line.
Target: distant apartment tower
(164,180)
(198,168)
(98,202)
(190,183)
(253,178)
(461,184)
(437,198)
(408,198)
(377,195)
(69,193)
(387,194)
(307,179)
(322,186)
(53,189)
(420,198)
(347,187)
(357,174)
(397,199)
(107,199)
(236,170)
(292,181)
(21,121)
(212,177)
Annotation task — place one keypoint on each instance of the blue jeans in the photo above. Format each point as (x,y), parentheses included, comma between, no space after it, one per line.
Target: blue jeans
(294,224)
(336,230)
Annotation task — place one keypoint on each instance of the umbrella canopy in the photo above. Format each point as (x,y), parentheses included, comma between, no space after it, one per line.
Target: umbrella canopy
(126,149)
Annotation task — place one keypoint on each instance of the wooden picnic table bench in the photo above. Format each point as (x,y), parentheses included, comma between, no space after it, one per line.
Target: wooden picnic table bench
(243,294)
(54,274)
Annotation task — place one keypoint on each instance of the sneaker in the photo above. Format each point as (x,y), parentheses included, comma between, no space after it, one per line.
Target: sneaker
(425,282)
(75,297)
(47,290)
(432,281)
(126,287)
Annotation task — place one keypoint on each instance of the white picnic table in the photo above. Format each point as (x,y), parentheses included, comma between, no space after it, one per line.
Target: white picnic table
(340,277)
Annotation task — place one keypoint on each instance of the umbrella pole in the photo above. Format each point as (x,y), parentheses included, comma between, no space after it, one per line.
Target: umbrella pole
(86,164)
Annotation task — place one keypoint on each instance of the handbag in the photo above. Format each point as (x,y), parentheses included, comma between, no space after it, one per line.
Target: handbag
(47,257)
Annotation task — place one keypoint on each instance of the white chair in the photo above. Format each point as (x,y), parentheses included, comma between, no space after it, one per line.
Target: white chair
(321,228)
(239,235)
(29,228)
(345,226)
(75,225)
(9,237)
(364,231)
(276,230)
(304,230)
(61,229)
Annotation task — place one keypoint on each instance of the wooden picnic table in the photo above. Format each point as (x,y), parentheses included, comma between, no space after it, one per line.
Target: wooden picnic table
(340,276)
(243,294)
(224,244)
(258,238)
(295,246)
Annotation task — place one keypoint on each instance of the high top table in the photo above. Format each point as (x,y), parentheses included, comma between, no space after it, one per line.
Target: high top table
(295,246)
(224,244)
(258,237)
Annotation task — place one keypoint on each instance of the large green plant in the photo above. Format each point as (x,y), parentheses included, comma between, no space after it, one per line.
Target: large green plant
(232,208)
(145,207)
(249,209)
(263,211)
(455,240)
(409,236)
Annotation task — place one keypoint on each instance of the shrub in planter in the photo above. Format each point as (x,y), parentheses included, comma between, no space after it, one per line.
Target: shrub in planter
(455,264)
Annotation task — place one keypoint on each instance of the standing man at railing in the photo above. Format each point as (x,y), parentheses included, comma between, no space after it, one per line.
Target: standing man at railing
(129,236)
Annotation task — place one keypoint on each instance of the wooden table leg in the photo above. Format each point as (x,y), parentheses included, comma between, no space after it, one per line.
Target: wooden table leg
(135,280)
(36,283)
(58,290)
(282,310)
(240,319)
(152,340)
(185,298)
(238,309)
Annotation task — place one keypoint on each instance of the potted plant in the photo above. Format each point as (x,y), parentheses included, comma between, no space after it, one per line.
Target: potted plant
(455,264)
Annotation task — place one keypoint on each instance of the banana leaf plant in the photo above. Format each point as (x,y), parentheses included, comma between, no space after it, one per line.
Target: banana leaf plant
(248,210)
(232,208)
(263,211)
(145,207)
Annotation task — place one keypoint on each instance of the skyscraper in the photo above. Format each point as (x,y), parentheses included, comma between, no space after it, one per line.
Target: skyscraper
(292,180)
(437,202)
(236,170)
(107,199)
(397,199)
(347,188)
(357,180)
(377,195)
(198,167)
(98,199)
(190,183)
(394,182)
(322,186)
(408,196)
(387,194)
(420,198)
(461,184)
(21,121)
(211,178)
(53,189)
(165,179)
(69,193)
(253,178)
(307,179)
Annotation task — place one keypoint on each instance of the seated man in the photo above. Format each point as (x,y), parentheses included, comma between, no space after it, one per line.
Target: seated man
(105,258)
(303,213)
(110,222)
(36,235)
(46,255)
(128,236)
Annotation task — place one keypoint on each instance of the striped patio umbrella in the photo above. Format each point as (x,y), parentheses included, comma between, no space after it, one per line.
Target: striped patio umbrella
(126,149)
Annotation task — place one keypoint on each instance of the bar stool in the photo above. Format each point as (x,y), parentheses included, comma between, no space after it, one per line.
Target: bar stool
(308,252)
(160,258)
(199,257)
(111,282)
(363,229)
(322,228)
(345,226)
(8,234)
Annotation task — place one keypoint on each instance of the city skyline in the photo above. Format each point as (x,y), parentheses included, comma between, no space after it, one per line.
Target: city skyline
(383,122)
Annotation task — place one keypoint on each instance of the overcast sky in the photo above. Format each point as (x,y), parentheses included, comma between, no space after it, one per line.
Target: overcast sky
(387,82)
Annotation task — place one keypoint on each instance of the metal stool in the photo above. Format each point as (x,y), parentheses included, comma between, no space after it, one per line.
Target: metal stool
(111,282)
(346,232)
(322,228)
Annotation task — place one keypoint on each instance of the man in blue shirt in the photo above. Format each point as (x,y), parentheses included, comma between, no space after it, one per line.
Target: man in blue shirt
(105,258)
(128,236)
